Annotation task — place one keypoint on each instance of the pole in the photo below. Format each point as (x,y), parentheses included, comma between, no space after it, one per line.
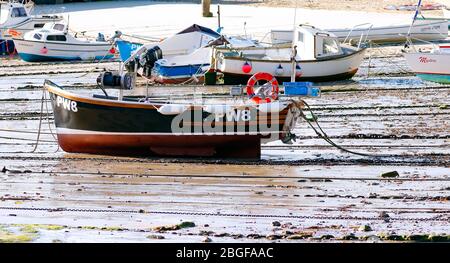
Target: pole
(206,6)
(294,46)
(218,15)
(415,16)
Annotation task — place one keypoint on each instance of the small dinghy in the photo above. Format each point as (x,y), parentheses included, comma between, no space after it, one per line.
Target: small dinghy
(189,126)
(192,67)
(15,20)
(319,57)
(55,43)
(433,65)
(183,57)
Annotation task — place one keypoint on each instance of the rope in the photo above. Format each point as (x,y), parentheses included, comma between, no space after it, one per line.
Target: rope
(325,137)
(48,121)
(41,114)
(98,63)
(40,122)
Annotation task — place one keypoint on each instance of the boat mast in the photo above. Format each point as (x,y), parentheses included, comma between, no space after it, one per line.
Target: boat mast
(294,48)
(408,39)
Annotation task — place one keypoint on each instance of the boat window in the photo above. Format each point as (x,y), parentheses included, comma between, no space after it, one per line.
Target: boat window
(19,12)
(3,15)
(39,25)
(37,36)
(59,27)
(300,37)
(330,46)
(56,38)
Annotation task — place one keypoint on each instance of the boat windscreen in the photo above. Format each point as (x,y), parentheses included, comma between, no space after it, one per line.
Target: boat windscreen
(19,12)
(59,27)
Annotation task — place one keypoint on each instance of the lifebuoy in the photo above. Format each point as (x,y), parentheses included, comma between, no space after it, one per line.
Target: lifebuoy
(262,76)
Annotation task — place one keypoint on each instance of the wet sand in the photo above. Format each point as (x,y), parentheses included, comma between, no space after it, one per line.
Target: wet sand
(361,5)
(305,192)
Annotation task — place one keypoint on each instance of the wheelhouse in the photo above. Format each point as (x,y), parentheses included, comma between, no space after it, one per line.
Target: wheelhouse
(312,43)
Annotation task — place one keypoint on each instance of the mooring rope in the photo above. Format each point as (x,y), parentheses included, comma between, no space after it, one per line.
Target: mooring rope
(325,137)
(40,122)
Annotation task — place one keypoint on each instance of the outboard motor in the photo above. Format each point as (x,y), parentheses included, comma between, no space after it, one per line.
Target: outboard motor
(147,60)
(114,80)
(117,34)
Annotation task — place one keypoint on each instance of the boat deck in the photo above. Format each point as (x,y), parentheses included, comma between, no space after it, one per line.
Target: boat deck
(308,191)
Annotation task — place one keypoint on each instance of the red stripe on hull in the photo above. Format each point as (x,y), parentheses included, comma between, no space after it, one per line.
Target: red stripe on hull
(227,146)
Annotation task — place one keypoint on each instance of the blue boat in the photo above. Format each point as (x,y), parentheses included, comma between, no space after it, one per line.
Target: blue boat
(126,48)
(174,74)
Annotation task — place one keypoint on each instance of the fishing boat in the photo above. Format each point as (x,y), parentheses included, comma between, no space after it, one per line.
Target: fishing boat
(431,65)
(424,29)
(179,58)
(16,20)
(187,126)
(55,43)
(319,57)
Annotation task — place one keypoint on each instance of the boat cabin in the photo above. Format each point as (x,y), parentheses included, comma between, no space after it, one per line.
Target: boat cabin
(56,32)
(312,43)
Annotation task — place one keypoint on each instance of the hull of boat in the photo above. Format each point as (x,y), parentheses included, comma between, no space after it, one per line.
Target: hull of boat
(179,74)
(422,29)
(105,126)
(434,19)
(331,69)
(430,67)
(32,51)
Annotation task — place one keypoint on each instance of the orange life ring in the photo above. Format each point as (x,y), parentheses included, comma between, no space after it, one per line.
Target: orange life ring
(262,76)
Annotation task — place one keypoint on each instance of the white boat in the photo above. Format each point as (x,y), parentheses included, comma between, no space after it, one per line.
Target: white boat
(422,29)
(16,20)
(320,57)
(180,57)
(446,13)
(433,65)
(53,43)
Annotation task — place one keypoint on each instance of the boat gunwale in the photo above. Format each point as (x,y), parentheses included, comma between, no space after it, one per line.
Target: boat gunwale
(442,21)
(106,44)
(330,58)
(53,88)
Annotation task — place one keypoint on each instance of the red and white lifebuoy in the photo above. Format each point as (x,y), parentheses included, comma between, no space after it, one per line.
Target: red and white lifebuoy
(262,76)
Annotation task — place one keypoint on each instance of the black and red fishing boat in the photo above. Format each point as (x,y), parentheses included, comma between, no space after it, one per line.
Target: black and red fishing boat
(206,127)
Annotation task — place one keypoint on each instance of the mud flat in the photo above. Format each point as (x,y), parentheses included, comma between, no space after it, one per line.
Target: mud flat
(308,191)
